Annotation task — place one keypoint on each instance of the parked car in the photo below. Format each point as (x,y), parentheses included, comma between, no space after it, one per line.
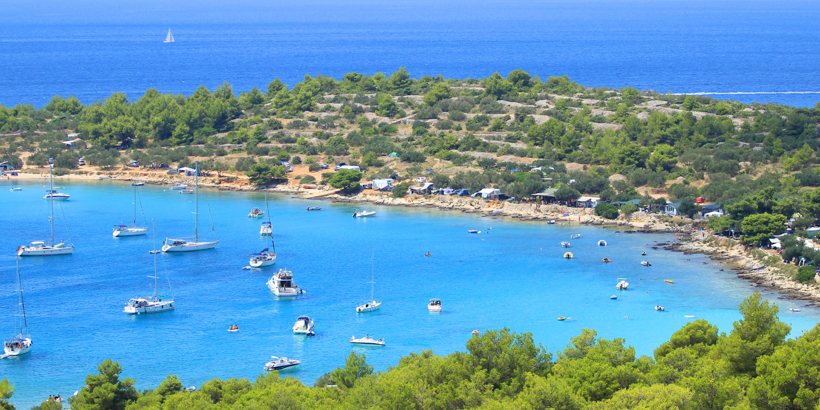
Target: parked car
(323,166)
(81,161)
(133,164)
(699,200)
(51,160)
(420,179)
(429,171)
(173,171)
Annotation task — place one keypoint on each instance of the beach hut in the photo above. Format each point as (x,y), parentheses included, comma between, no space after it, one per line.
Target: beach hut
(548,195)
(424,189)
(587,202)
(4,166)
(672,208)
(489,193)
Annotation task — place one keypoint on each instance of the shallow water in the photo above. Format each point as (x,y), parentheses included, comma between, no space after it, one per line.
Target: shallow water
(512,275)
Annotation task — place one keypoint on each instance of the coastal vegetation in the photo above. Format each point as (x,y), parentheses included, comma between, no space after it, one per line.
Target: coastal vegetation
(755,161)
(754,366)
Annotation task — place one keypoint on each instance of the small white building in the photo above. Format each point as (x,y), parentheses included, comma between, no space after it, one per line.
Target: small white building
(587,201)
(489,193)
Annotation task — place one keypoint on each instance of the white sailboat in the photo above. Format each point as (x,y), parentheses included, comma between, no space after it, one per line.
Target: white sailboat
(183,244)
(372,304)
(169,38)
(41,248)
(20,344)
(151,304)
(267,256)
(125,230)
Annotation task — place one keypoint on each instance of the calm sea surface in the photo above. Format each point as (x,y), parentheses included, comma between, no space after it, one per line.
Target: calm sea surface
(512,275)
(764,51)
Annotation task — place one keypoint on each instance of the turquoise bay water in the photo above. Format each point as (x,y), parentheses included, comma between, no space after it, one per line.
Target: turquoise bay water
(512,275)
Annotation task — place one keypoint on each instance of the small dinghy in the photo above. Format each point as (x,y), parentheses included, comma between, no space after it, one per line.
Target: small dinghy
(602,243)
(794,310)
(606,260)
(367,340)
(668,281)
(187,191)
(565,244)
(362,214)
(622,284)
(643,253)
(314,208)
(137,183)
(434,306)
(280,364)
(568,255)
(561,319)
(428,254)
(473,231)
(575,236)
(16,189)
(614,297)
(475,332)
(551,222)
(659,308)
(233,328)
(645,263)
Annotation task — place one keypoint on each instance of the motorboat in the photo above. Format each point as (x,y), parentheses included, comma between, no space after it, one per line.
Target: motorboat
(281,284)
(57,196)
(314,208)
(263,258)
(192,243)
(660,308)
(372,304)
(473,231)
(179,186)
(137,183)
(50,248)
(568,255)
(614,297)
(645,263)
(151,304)
(126,230)
(367,340)
(562,318)
(565,244)
(551,222)
(575,236)
(16,189)
(280,363)
(304,326)
(434,305)
(266,229)
(256,213)
(794,310)
(622,284)
(20,344)
(643,253)
(602,243)
(186,191)
(362,214)
(606,260)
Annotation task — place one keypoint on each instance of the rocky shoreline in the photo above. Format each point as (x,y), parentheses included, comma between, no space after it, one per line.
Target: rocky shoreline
(745,266)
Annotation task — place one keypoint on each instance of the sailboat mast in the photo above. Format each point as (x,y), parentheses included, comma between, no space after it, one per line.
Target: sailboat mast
(51,199)
(154,251)
(196,200)
(135,206)
(267,212)
(22,305)
(372,274)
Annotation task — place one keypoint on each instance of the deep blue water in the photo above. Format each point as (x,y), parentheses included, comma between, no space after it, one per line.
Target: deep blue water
(512,275)
(91,48)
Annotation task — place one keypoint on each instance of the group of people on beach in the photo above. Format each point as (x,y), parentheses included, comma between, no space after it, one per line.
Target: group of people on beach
(56,398)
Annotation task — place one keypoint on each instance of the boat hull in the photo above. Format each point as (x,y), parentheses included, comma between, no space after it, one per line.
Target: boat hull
(161,307)
(281,367)
(190,247)
(284,292)
(57,198)
(434,309)
(118,233)
(25,348)
(368,307)
(262,262)
(44,250)
(266,231)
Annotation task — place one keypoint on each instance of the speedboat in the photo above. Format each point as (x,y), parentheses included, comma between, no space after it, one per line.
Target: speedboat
(57,196)
(645,263)
(137,183)
(179,186)
(622,285)
(659,308)
(266,229)
(281,284)
(256,213)
(263,258)
(794,310)
(565,244)
(16,189)
(568,255)
(314,208)
(125,230)
(473,231)
(434,305)
(614,297)
(187,191)
(602,243)
(367,340)
(575,236)
(362,214)
(280,364)
(304,326)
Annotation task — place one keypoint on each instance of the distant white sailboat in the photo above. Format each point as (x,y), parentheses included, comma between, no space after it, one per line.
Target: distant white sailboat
(20,344)
(182,244)
(152,304)
(370,305)
(169,38)
(125,230)
(39,248)
(267,256)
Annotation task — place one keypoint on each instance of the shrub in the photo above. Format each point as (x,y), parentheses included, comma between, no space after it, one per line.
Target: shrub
(307,179)
(314,167)
(606,210)
(628,208)
(806,274)
(400,190)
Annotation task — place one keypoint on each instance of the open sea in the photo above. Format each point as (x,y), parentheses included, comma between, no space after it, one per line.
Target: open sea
(511,275)
(755,50)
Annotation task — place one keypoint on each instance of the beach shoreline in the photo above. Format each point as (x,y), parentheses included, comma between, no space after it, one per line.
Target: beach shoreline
(735,257)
